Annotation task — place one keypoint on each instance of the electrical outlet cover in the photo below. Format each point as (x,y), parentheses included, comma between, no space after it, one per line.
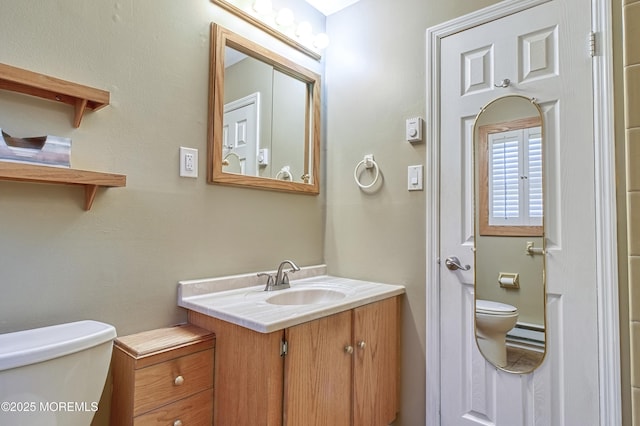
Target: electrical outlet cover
(188,162)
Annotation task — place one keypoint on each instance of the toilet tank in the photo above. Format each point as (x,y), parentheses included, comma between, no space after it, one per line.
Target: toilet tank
(54,375)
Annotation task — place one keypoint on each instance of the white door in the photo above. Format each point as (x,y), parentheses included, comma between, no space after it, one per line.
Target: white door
(240,135)
(543,52)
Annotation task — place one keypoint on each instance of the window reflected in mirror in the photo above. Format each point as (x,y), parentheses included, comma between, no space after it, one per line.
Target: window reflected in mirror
(509,241)
(510,166)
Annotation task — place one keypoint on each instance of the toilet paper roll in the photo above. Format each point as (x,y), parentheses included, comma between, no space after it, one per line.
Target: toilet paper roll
(508,280)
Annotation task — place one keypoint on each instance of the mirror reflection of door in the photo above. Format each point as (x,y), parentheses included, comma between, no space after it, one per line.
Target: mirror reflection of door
(283,118)
(509,234)
(288,131)
(240,140)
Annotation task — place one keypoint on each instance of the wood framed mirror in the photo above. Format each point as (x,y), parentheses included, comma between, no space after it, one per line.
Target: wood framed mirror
(264,118)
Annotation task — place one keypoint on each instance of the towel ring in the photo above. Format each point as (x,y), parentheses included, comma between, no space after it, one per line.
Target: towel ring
(368,163)
(285,173)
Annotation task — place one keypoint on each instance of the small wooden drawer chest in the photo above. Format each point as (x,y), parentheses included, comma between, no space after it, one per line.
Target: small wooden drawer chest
(163,377)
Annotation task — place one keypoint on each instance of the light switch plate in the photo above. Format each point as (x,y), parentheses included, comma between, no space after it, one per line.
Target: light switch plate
(414,178)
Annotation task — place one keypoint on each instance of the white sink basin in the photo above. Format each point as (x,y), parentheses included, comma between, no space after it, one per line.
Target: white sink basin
(305,296)
(230,299)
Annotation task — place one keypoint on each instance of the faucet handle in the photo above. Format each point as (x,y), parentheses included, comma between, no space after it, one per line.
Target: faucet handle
(269,278)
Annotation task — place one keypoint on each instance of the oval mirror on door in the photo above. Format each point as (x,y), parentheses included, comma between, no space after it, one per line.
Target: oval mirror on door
(509,238)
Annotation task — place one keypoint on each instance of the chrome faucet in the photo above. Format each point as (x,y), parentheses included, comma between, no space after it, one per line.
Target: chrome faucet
(281,276)
(281,280)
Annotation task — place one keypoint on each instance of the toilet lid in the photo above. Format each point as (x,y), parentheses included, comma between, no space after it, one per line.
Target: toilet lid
(21,348)
(494,308)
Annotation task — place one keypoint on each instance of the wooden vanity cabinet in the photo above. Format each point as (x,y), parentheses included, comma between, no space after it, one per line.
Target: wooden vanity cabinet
(248,373)
(376,374)
(338,370)
(343,369)
(163,376)
(318,372)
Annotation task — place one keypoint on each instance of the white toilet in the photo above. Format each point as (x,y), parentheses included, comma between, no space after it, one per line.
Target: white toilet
(54,375)
(493,321)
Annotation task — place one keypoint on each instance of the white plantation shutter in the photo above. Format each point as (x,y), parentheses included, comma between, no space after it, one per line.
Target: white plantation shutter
(515,178)
(534,172)
(504,175)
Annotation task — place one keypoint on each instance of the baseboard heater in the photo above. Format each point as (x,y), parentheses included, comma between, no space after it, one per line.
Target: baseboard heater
(527,336)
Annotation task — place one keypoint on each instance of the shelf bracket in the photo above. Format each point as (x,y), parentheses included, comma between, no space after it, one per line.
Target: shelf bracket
(47,87)
(81,105)
(89,195)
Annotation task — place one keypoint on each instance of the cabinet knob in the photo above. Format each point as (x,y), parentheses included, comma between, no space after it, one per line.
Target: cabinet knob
(362,344)
(178,381)
(348,349)
(177,423)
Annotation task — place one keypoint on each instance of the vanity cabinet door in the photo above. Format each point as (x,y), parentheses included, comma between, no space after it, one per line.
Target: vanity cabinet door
(343,369)
(318,369)
(376,363)
(326,378)
(248,372)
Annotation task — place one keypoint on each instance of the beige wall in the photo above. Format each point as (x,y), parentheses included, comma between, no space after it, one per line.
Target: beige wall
(495,255)
(289,119)
(375,80)
(631,13)
(120,262)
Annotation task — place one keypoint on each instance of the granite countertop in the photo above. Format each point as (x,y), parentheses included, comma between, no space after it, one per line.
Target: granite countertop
(239,300)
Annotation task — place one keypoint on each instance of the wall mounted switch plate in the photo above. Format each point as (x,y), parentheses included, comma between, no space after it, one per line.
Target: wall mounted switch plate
(414,129)
(414,178)
(263,157)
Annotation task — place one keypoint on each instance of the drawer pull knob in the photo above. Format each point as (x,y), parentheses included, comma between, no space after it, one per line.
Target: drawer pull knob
(362,344)
(348,349)
(177,423)
(178,381)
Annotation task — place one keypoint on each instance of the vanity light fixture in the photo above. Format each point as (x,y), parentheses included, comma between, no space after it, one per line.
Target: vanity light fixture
(285,18)
(261,14)
(304,30)
(285,23)
(262,7)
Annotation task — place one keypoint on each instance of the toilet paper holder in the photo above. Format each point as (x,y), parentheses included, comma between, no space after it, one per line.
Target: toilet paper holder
(509,280)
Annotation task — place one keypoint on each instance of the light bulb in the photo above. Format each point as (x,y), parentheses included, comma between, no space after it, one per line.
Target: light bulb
(285,17)
(304,29)
(262,7)
(321,41)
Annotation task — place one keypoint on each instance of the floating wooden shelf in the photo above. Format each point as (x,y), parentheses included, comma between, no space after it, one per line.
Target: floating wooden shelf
(59,175)
(43,86)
